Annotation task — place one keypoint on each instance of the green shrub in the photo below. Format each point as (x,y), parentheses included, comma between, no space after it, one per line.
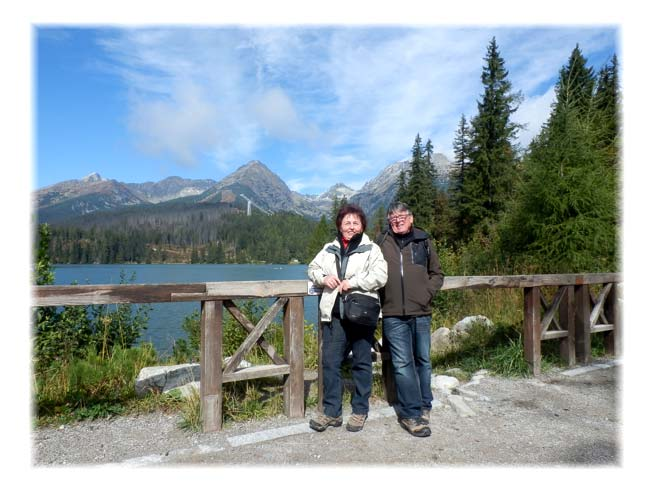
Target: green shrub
(91,385)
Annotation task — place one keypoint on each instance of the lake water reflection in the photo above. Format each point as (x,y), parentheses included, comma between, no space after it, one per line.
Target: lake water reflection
(166,318)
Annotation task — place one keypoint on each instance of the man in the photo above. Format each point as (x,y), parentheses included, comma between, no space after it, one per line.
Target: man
(414,277)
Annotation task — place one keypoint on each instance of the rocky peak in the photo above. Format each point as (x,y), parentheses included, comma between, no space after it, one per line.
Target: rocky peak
(337,191)
(94,177)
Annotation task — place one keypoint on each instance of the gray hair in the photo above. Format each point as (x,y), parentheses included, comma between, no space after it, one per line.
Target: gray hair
(399,207)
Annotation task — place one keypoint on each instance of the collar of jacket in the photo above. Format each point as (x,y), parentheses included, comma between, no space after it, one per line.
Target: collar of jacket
(417,235)
(359,244)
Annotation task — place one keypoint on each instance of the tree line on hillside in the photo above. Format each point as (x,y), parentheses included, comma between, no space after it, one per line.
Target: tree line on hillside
(550,208)
(187,234)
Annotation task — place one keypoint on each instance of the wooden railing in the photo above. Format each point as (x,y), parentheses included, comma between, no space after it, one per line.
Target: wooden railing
(572,316)
(214,296)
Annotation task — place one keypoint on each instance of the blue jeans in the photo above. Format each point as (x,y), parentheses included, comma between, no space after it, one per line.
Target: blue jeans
(338,338)
(409,342)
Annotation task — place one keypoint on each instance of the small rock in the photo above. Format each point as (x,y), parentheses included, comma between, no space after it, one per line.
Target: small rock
(444,383)
(462,409)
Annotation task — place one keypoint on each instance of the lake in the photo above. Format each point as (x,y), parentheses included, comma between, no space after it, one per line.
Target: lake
(165,319)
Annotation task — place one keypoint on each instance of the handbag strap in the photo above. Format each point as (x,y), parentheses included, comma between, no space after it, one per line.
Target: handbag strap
(341,273)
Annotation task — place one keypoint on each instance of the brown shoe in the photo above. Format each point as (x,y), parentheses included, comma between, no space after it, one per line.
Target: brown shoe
(356,422)
(426,416)
(322,421)
(415,427)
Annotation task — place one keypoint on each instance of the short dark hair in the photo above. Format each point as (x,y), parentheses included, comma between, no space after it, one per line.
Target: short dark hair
(351,209)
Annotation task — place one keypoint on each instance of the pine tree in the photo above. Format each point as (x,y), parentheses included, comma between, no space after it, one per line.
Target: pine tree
(607,101)
(490,175)
(43,273)
(575,86)
(402,190)
(420,188)
(461,145)
(564,218)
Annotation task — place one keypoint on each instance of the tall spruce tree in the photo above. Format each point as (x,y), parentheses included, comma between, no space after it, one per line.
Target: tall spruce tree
(607,102)
(490,175)
(575,86)
(420,192)
(402,190)
(461,146)
(564,218)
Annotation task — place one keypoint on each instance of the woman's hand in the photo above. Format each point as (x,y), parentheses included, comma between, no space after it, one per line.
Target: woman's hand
(344,285)
(332,281)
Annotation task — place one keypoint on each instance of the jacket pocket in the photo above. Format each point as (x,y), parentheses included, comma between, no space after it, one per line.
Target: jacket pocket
(420,254)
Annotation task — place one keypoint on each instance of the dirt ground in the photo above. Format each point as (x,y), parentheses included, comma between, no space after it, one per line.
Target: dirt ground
(555,420)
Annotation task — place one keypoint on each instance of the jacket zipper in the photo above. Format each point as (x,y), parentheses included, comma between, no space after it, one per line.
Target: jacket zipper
(401,273)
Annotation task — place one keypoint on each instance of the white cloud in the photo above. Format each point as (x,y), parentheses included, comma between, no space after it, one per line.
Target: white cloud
(276,113)
(180,127)
(533,112)
(343,100)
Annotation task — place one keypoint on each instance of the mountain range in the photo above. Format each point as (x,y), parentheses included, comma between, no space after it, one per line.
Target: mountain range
(251,185)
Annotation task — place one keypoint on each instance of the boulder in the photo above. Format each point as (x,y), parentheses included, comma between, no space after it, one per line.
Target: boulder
(464,325)
(159,379)
(188,390)
(440,340)
(162,379)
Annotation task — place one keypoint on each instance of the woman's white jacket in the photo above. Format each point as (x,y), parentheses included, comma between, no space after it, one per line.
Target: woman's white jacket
(366,271)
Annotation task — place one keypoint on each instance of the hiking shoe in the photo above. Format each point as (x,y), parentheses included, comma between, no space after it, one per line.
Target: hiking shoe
(322,421)
(415,427)
(356,422)
(426,416)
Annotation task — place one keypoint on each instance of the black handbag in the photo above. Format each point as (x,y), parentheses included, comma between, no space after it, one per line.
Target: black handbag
(361,309)
(357,307)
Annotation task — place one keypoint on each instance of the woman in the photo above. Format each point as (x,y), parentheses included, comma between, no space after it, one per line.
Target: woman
(351,263)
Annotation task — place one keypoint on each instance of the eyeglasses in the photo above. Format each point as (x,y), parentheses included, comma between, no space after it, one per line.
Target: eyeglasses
(397,218)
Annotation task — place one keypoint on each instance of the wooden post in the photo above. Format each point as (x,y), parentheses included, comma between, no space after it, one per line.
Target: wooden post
(613,338)
(582,321)
(211,365)
(293,330)
(387,372)
(568,344)
(532,329)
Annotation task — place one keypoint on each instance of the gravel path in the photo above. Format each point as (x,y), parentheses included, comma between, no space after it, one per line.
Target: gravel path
(561,419)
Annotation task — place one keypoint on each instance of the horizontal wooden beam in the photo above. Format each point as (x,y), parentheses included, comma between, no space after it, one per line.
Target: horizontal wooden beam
(103,294)
(247,289)
(555,334)
(254,372)
(99,294)
(602,328)
(484,282)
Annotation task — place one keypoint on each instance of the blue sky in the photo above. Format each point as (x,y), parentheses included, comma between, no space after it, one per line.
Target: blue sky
(316,104)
